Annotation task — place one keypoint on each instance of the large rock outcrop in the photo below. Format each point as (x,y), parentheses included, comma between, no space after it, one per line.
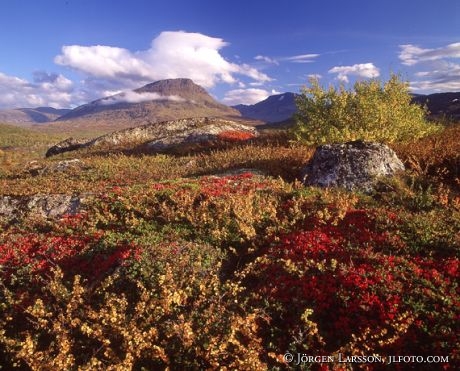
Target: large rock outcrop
(166,135)
(352,165)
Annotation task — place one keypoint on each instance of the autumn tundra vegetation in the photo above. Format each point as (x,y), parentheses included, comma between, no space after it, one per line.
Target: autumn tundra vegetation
(223,259)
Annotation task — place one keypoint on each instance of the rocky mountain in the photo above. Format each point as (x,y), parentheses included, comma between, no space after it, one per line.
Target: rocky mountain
(275,108)
(441,103)
(159,101)
(30,116)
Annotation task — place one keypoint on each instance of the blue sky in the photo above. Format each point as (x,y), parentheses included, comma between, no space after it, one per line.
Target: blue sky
(63,53)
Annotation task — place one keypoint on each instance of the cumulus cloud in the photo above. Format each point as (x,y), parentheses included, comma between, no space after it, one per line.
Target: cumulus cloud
(53,90)
(412,54)
(245,96)
(134,97)
(172,54)
(363,70)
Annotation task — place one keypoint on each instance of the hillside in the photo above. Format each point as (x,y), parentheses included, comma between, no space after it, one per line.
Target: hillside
(221,259)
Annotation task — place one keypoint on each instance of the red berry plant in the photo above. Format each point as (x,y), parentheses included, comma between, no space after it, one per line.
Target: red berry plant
(335,288)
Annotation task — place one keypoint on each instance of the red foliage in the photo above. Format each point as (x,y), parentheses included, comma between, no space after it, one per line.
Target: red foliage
(76,254)
(240,184)
(235,136)
(341,273)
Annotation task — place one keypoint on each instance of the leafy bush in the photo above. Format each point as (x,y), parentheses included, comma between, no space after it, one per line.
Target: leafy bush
(371,111)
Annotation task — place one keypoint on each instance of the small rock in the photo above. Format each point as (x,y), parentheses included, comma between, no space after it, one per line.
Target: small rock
(35,168)
(65,165)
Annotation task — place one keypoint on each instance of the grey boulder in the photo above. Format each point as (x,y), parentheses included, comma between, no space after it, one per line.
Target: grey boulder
(44,206)
(354,166)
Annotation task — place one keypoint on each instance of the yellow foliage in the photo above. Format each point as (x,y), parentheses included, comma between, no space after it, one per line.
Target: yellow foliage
(371,111)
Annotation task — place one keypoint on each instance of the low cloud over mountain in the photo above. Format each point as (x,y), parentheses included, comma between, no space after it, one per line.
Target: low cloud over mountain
(163,100)
(134,97)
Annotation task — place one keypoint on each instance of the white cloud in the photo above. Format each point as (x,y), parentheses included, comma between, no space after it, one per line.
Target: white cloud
(302,58)
(46,90)
(172,54)
(103,61)
(443,76)
(245,96)
(315,76)
(266,59)
(437,69)
(412,54)
(134,97)
(364,70)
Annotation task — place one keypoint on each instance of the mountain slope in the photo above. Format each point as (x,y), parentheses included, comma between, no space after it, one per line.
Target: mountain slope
(159,101)
(275,108)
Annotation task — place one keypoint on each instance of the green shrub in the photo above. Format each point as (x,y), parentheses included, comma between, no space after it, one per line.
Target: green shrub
(371,111)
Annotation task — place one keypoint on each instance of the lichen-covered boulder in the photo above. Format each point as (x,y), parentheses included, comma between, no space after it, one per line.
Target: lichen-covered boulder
(352,165)
(44,206)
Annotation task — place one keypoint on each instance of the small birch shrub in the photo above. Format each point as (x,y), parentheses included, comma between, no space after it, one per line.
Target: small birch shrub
(371,111)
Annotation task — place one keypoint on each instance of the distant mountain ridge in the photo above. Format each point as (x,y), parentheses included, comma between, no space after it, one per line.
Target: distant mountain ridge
(28,116)
(275,108)
(441,103)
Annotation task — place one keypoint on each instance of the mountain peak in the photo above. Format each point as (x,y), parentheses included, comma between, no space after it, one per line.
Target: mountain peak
(182,87)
